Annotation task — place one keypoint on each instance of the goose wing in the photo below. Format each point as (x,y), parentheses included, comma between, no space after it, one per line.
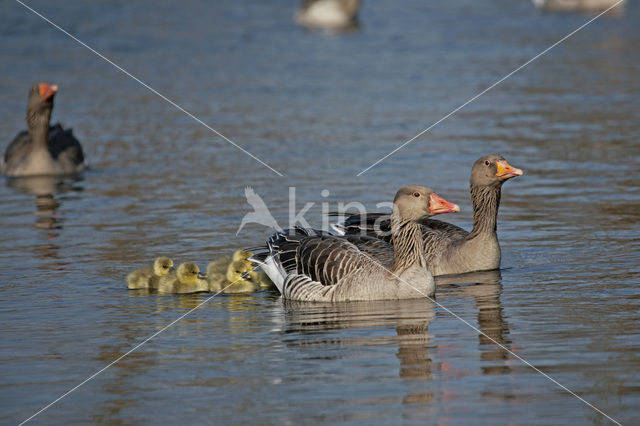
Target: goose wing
(321,256)
(378,225)
(328,259)
(64,147)
(17,149)
(372,224)
(444,229)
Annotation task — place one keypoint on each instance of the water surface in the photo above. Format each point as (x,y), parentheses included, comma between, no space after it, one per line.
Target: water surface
(320,108)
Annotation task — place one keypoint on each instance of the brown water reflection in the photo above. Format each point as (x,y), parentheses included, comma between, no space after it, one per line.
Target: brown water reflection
(484,288)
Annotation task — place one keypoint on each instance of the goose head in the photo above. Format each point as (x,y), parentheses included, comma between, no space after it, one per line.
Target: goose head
(238,271)
(162,266)
(492,170)
(188,273)
(413,202)
(40,101)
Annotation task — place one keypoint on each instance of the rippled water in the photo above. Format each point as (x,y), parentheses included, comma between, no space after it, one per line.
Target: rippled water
(319,109)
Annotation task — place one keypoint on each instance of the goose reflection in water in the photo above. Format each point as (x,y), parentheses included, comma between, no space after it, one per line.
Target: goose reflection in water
(485,288)
(45,189)
(410,318)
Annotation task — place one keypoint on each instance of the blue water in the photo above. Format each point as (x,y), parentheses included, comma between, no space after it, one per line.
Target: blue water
(320,108)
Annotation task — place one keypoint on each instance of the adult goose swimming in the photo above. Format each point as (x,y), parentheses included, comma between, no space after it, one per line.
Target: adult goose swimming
(312,266)
(42,149)
(450,249)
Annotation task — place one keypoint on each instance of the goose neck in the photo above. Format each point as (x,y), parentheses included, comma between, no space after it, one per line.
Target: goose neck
(486,201)
(38,124)
(406,236)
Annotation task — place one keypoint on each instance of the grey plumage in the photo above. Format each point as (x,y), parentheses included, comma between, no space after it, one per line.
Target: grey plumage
(316,266)
(42,149)
(450,249)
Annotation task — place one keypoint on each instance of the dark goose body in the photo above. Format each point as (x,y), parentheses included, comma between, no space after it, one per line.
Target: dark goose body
(42,149)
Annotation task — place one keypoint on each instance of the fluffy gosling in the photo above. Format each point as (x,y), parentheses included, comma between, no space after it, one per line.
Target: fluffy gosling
(186,279)
(149,276)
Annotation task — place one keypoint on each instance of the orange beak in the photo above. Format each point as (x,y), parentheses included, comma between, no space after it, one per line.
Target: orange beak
(439,205)
(47,90)
(506,170)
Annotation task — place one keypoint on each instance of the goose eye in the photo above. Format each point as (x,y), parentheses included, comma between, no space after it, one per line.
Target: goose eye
(486,162)
(416,194)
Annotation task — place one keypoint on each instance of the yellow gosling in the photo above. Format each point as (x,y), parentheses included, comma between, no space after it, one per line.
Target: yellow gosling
(239,278)
(148,276)
(260,278)
(217,269)
(243,255)
(187,279)
(236,279)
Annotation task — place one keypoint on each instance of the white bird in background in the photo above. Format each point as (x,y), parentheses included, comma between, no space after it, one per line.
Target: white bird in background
(328,14)
(577,5)
(260,213)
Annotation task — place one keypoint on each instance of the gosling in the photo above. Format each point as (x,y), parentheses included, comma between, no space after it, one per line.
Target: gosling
(219,266)
(148,276)
(237,279)
(259,277)
(187,279)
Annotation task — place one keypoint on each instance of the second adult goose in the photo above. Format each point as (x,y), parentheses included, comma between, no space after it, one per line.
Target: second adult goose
(450,249)
(327,268)
(42,149)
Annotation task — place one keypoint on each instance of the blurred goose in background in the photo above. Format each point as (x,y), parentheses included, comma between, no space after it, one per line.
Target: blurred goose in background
(42,149)
(236,279)
(149,276)
(450,249)
(310,266)
(328,14)
(578,5)
(186,279)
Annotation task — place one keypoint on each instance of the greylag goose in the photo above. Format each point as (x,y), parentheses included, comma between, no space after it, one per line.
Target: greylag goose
(149,276)
(328,14)
(42,149)
(186,279)
(311,266)
(236,278)
(450,249)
